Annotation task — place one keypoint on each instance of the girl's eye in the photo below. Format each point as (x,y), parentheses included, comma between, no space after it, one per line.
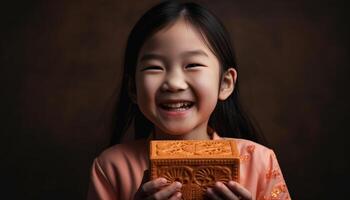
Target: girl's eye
(151,68)
(194,65)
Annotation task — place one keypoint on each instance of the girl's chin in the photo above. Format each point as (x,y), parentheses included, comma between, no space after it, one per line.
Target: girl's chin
(174,126)
(181,134)
(172,134)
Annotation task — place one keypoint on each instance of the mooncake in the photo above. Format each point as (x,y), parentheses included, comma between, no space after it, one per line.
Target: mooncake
(197,164)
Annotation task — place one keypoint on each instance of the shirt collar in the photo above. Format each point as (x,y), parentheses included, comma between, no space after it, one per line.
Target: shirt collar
(212,134)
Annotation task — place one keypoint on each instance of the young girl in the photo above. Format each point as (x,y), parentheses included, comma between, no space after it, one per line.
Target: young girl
(180,82)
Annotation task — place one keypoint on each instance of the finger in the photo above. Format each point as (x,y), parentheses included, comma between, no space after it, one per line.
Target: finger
(211,193)
(168,191)
(176,196)
(239,190)
(225,192)
(153,186)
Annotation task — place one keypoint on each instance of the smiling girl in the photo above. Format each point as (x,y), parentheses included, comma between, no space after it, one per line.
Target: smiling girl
(180,82)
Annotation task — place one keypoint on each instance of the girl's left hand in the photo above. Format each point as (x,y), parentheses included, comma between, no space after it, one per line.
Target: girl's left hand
(230,191)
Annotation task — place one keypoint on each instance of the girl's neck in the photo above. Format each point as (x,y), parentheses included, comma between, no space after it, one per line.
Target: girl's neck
(208,135)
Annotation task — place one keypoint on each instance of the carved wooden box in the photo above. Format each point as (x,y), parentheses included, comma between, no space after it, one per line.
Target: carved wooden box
(197,164)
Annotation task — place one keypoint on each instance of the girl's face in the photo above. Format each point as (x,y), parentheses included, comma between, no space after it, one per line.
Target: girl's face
(177,82)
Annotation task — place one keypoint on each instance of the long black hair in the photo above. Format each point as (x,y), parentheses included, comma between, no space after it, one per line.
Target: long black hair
(228,118)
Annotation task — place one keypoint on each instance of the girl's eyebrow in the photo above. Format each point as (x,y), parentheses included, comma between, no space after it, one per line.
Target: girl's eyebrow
(150,56)
(194,53)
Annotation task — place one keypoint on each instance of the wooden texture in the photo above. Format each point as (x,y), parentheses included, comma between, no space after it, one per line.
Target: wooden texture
(197,164)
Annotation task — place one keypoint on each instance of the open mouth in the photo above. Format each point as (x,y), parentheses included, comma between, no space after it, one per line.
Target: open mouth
(178,106)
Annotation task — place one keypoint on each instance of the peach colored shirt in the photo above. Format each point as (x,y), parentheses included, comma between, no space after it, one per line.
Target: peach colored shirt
(117,173)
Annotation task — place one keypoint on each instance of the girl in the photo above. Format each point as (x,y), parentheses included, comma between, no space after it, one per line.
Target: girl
(180,82)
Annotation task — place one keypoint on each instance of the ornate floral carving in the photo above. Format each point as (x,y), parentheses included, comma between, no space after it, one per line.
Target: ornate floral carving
(207,176)
(182,174)
(196,164)
(207,147)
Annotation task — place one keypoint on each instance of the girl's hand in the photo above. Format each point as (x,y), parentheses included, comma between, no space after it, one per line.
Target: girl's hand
(230,191)
(159,189)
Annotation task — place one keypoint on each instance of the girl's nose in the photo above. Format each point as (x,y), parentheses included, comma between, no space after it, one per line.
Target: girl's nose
(174,81)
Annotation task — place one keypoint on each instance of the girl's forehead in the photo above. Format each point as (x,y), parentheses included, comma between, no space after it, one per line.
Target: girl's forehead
(177,37)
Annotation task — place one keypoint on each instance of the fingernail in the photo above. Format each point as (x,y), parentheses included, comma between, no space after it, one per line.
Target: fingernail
(178,184)
(219,184)
(178,195)
(231,183)
(163,180)
(209,190)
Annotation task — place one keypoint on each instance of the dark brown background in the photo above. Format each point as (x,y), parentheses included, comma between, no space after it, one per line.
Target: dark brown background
(60,71)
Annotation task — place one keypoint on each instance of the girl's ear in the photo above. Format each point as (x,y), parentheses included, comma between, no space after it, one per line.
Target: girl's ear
(228,82)
(132,91)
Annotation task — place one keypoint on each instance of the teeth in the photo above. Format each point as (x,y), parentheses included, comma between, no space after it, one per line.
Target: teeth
(177,105)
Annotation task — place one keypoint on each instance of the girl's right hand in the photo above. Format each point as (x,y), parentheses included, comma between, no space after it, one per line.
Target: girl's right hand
(159,189)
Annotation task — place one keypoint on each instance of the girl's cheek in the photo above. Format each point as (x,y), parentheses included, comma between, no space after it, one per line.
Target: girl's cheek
(206,89)
(207,83)
(147,85)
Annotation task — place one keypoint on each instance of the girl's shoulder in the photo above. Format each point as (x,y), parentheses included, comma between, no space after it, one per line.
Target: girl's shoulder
(131,150)
(244,145)
(248,143)
(119,168)
(249,149)
(260,171)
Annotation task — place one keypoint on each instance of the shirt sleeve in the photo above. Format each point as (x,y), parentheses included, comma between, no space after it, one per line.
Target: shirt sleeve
(100,186)
(272,184)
